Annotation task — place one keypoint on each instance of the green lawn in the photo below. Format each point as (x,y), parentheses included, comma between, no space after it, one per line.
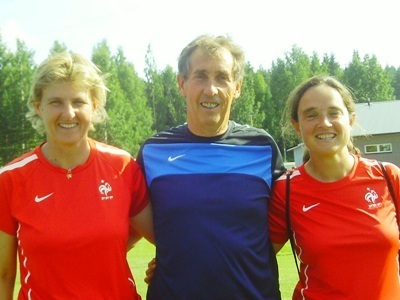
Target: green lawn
(143,252)
(287,272)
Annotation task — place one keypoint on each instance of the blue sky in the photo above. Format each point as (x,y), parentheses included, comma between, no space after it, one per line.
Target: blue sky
(266,29)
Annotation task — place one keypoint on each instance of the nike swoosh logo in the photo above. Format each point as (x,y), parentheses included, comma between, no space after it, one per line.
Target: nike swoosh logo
(172,158)
(40,199)
(307,208)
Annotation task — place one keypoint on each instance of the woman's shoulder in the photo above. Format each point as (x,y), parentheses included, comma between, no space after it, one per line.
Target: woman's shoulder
(374,163)
(293,176)
(374,167)
(22,161)
(109,150)
(111,155)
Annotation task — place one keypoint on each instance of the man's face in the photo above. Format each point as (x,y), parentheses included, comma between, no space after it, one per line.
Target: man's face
(209,89)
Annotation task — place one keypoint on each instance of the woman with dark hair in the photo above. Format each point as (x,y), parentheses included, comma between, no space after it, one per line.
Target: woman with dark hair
(343,220)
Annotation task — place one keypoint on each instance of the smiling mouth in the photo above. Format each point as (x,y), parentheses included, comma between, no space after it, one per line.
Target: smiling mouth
(326,136)
(209,105)
(67,126)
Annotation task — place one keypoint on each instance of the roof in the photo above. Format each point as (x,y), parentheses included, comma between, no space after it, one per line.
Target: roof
(301,145)
(380,117)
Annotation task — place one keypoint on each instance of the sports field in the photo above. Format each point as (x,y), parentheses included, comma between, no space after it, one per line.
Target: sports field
(143,252)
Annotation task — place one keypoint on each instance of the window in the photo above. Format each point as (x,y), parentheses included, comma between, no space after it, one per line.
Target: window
(378,148)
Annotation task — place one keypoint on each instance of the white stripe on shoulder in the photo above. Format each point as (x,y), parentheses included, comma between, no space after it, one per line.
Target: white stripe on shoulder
(369,162)
(374,162)
(282,177)
(295,173)
(111,149)
(19,164)
(386,163)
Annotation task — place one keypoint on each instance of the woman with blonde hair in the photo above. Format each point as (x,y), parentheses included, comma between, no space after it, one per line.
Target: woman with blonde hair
(66,207)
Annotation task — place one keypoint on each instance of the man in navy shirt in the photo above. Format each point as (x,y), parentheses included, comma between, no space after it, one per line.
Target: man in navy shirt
(210,181)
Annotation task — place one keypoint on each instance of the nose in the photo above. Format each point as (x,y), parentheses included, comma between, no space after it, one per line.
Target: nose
(210,89)
(69,111)
(325,122)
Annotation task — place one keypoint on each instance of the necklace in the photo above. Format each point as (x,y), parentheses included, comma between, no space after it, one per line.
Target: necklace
(69,174)
(53,159)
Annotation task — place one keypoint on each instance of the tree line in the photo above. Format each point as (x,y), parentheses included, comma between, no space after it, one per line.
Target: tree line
(139,107)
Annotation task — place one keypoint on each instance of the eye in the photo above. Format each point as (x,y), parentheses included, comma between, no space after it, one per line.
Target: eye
(200,76)
(223,77)
(335,113)
(79,102)
(311,115)
(55,102)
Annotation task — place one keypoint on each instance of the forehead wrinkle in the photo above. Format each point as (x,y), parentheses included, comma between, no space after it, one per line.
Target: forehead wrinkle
(207,72)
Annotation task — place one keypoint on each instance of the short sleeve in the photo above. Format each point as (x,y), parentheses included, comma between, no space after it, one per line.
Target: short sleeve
(394,175)
(7,223)
(140,193)
(276,213)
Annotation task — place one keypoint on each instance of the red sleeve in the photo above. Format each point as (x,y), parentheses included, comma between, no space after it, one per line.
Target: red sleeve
(140,195)
(7,223)
(131,172)
(276,212)
(394,175)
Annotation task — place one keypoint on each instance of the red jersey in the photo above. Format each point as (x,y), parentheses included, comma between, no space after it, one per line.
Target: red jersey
(345,232)
(72,227)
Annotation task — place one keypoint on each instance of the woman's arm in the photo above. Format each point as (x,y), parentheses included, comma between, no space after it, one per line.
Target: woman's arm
(8,265)
(142,226)
(277,247)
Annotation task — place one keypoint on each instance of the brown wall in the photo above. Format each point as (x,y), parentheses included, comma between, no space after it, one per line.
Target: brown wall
(394,139)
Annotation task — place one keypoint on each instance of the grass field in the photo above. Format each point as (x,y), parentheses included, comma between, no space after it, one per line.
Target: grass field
(143,252)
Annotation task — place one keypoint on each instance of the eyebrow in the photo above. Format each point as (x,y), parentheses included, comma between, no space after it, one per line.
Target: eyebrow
(53,98)
(308,110)
(202,71)
(315,108)
(62,99)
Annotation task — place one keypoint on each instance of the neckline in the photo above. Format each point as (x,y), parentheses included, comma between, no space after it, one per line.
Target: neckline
(346,178)
(67,171)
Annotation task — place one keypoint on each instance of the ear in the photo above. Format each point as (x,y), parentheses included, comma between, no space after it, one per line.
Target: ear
(181,83)
(296,127)
(238,89)
(36,105)
(352,119)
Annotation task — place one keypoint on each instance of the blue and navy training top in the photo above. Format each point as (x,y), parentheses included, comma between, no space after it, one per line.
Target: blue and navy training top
(210,201)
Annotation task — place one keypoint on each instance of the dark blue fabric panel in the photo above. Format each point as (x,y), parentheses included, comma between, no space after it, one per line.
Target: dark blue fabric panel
(222,219)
